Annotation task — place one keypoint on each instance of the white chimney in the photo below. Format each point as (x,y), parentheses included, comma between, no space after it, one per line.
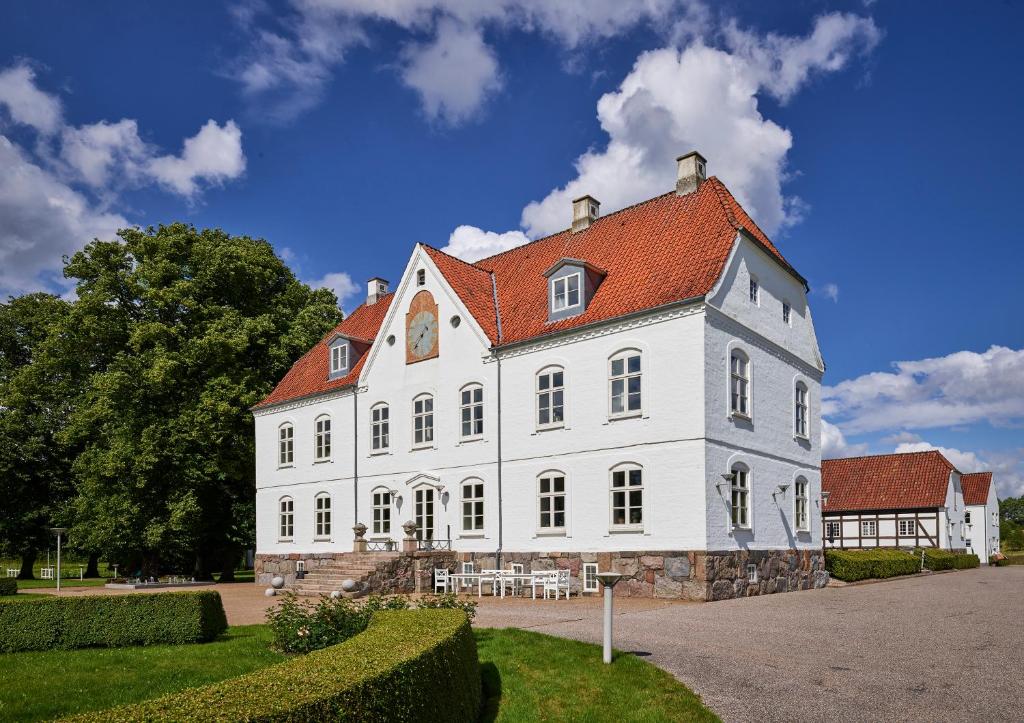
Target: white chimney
(691,171)
(585,211)
(375,288)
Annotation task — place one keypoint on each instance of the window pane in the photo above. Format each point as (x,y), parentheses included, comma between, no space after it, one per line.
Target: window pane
(543,416)
(543,381)
(619,479)
(545,485)
(634,364)
(635,516)
(617,367)
(559,484)
(618,499)
(635,477)
(559,519)
(557,379)
(478,394)
(466,396)
(618,517)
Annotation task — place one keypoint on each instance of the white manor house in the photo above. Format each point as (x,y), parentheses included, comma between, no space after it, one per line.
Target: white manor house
(639,392)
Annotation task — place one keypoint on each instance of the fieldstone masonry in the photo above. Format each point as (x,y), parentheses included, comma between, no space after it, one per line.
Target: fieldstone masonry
(681,575)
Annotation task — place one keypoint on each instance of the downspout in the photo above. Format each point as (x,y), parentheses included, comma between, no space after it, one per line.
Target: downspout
(355,452)
(497,357)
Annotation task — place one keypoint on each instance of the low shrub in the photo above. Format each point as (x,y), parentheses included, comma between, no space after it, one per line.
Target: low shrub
(408,665)
(8,586)
(966,561)
(303,626)
(111,621)
(935,559)
(998,561)
(853,565)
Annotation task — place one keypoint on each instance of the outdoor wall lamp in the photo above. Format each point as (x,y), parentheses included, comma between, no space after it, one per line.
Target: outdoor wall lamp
(727,478)
(780,491)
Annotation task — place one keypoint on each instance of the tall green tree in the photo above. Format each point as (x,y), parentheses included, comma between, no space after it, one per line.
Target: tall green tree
(183,331)
(34,467)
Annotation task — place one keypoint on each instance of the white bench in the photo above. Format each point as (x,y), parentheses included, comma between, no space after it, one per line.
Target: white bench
(12,572)
(46,573)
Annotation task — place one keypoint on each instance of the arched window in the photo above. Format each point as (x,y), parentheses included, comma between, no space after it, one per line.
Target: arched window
(382,511)
(286,518)
(380,426)
(471,411)
(800,497)
(322,513)
(285,444)
(740,496)
(627,496)
(624,383)
(800,410)
(739,374)
(551,505)
(472,505)
(551,397)
(322,438)
(423,421)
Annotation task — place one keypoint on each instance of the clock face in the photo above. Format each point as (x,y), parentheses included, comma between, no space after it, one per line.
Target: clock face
(422,334)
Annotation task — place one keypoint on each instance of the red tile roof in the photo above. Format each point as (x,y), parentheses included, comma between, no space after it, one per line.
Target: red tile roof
(309,374)
(886,481)
(667,249)
(976,485)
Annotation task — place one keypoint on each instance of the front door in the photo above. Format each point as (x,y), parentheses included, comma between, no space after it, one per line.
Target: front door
(425,513)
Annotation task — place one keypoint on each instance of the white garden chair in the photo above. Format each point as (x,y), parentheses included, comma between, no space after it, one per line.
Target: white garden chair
(468,568)
(562,583)
(513,582)
(12,572)
(440,579)
(46,573)
(550,583)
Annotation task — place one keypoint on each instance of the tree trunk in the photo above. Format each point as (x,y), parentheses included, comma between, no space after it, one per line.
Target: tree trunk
(227,565)
(28,561)
(93,568)
(203,569)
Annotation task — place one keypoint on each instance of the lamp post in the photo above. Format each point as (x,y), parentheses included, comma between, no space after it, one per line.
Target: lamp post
(58,531)
(608,579)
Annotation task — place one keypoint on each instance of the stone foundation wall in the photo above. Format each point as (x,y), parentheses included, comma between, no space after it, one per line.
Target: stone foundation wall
(678,574)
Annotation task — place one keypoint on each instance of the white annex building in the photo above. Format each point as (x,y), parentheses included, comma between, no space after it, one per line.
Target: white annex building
(981,520)
(639,392)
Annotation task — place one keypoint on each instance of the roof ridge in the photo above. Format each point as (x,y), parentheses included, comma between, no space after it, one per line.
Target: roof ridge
(892,454)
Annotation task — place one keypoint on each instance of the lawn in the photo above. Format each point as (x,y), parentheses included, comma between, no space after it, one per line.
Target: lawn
(526,677)
(1015,558)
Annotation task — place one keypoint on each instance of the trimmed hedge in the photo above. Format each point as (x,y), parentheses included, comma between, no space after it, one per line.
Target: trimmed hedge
(409,665)
(8,586)
(112,621)
(853,565)
(945,560)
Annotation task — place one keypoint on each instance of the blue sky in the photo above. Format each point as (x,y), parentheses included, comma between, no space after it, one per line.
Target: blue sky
(878,143)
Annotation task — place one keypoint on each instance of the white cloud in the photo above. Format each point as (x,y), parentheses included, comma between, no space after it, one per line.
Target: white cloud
(1007,468)
(962,388)
(453,73)
(25,103)
(830,291)
(94,151)
(834,444)
(212,156)
(470,243)
(340,283)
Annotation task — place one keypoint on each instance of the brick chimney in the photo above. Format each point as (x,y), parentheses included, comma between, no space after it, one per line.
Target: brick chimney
(375,288)
(585,211)
(691,171)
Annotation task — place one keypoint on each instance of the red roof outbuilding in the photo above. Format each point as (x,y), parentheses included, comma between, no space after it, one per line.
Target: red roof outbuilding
(976,486)
(912,480)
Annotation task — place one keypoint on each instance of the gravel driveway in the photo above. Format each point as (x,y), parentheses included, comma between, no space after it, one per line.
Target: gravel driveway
(944,647)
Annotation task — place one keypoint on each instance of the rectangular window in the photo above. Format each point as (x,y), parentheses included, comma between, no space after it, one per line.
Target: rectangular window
(323,516)
(832,530)
(286,447)
(967,517)
(751,572)
(627,497)
(287,518)
(800,406)
(907,528)
(967,543)
(740,381)
(740,498)
(423,421)
(339,358)
(472,410)
(802,518)
(382,513)
(590,581)
(565,292)
(379,426)
(551,503)
(868,528)
(625,384)
(323,438)
(473,507)
(754,299)
(785,312)
(551,398)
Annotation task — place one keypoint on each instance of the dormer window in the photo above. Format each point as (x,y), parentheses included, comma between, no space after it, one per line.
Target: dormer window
(565,292)
(339,357)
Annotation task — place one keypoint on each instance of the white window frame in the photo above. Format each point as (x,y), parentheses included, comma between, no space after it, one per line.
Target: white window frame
(339,358)
(743,378)
(801,409)
(551,495)
(755,291)
(625,377)
(322,516)
(967,517)
(469,411)
(566,292)
(474,503)
(873,528)
(626,469)
(909,525)
(426,419)
(380,500)
(322,447)
(548,394)
(286,519)
(787,313)
(380,428)
(751,572)
(838,528)
(801,504)
(589,577)
(740,487)
(286,445)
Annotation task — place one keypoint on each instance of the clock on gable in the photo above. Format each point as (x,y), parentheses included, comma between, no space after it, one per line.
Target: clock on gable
(421,328)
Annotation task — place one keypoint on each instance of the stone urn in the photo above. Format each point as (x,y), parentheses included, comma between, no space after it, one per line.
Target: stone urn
(409,543)
(359,544)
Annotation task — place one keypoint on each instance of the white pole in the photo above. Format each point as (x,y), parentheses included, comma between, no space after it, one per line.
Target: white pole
(607,623)
(58,562)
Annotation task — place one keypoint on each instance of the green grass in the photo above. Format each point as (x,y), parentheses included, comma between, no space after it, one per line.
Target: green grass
(533,677)
(22,597)
(40,686)
(65,582)
(1015,558)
